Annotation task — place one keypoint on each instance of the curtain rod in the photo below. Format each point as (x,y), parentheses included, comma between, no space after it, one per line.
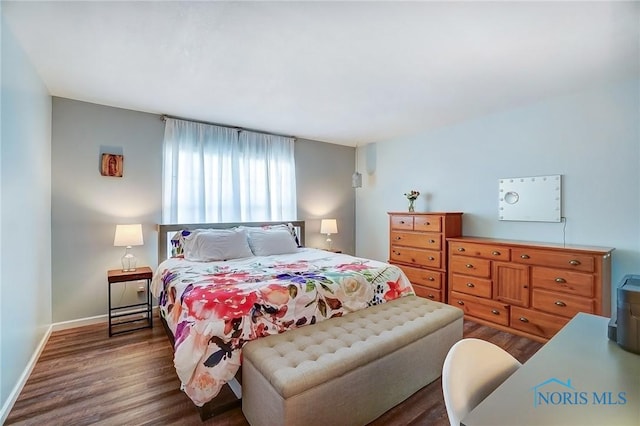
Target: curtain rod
(164,117)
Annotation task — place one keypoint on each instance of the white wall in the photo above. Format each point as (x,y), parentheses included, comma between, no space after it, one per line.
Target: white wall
(591,138)
(25,214)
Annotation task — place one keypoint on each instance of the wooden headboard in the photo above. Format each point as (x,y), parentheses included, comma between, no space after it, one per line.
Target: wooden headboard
(164,230)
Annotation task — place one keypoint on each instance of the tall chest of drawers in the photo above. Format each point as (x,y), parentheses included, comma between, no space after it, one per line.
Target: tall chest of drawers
(418,245)
(530,289)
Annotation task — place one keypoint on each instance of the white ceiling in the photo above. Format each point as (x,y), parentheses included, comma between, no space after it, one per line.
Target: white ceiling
(342,72)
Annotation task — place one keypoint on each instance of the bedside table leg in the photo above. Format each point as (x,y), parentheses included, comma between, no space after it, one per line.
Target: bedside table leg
(109,291)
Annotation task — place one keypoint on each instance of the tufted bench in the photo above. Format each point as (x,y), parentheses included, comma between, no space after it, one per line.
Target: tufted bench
(348,370)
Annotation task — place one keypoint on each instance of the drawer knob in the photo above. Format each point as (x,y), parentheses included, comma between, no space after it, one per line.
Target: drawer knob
(431,258)
(460,249)
(402,222)
(574,262)
(468,265)
(495,312)
(427,223)
(495,253)
(397,253)
(523,319)
(560,303)
(431,296)
(560,280)
(431,279)
(432,241)
(524,256)
(398,238)
(471,285)
(460,302)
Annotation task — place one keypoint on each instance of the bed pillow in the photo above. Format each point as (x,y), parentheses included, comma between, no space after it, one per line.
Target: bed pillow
(177,242)
(265,242)
(216,244)
(294,233)
(288,227)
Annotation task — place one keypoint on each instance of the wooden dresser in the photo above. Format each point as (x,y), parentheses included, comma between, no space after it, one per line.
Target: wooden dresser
(527,288)
(418,245)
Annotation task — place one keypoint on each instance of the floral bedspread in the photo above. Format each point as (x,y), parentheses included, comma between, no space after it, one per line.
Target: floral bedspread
(214,308)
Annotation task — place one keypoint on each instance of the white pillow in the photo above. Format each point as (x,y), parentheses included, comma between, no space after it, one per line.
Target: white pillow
(216,244)
(265,242)
(288,226)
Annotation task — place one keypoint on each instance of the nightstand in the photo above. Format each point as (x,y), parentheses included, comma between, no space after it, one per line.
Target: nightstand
(130,314)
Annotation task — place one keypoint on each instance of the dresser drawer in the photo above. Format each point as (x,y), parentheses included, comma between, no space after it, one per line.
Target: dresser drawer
(429,258)
(429,241)
(427,223)
(534,322)
(573,261)
(402,222)
(564,281)
(425,277)
(485,251)
(561,304)
(481,308)
(428,293)
(474,286)
(470,266)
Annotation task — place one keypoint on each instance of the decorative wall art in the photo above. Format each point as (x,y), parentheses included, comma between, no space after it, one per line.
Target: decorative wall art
(112,165)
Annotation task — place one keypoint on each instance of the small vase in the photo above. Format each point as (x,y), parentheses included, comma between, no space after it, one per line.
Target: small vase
(411,208)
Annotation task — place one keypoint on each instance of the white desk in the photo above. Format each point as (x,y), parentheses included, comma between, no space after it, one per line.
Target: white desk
(604,383)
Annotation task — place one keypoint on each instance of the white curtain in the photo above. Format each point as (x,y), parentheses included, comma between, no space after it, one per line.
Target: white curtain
(219,174)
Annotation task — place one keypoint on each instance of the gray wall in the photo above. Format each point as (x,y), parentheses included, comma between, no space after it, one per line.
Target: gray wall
(86,206)
(323,176)
(590,137)
(25,214)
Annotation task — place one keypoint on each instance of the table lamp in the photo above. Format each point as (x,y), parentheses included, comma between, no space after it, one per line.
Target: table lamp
(128,236)
(329,226)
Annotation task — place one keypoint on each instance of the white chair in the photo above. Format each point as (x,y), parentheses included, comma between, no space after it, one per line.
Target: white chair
(472,370)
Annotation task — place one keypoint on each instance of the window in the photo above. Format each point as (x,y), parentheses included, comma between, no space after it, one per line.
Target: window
(219,174)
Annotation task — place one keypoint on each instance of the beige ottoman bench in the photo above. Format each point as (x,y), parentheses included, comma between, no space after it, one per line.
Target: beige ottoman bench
(348,370)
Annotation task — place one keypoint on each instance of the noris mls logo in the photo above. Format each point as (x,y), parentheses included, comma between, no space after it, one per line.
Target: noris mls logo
(556,392)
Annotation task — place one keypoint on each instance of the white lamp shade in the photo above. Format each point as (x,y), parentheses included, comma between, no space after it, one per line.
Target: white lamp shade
(128,235)
(328,226)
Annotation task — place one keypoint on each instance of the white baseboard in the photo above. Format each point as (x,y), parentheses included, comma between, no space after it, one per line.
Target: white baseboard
(65,325)
(13,396)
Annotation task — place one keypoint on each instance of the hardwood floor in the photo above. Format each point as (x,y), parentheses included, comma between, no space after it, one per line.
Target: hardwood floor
(84,377)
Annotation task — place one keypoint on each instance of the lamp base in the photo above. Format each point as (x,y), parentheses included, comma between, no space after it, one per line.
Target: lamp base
(128,261)
(329,243)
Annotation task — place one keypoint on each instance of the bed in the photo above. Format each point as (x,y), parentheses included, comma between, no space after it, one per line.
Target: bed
(215,294)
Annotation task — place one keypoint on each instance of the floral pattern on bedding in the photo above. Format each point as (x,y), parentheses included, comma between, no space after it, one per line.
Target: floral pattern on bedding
(213,309)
